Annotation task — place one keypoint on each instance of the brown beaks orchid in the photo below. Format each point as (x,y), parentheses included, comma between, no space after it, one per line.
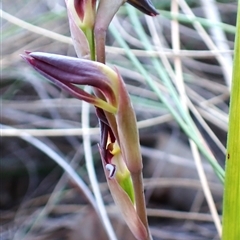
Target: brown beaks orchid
(70,73)
(81,16)
(89,22)
(119,141)
(83,11)
(119,146)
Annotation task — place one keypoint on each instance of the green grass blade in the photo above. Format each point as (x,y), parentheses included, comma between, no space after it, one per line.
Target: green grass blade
(231,203)
(204,22)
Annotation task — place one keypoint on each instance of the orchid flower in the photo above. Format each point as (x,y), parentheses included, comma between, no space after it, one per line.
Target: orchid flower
(119,146)
(89,22)
(68,73)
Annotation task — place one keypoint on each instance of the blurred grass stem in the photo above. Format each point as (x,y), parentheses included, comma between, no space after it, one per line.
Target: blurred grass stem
(34,28)
(180,114)
(62,163)
(183,98)
(227,71)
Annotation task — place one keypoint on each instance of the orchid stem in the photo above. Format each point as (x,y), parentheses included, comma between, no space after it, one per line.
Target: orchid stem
(140,200)
(89,33)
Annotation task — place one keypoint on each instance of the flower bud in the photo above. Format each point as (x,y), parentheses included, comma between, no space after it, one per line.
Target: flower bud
(69,72)
(144,6)
(81,15)
(83,12)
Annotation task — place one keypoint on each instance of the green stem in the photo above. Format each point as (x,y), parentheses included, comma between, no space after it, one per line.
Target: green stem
(90,37)
(231,201)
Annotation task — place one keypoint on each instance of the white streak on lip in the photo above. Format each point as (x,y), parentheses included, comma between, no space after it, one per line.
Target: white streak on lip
(112,169)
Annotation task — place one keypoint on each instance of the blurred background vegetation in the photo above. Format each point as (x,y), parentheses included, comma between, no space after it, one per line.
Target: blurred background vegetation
(37,198)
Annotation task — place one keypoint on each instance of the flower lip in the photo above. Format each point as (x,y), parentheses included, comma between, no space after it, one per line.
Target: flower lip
(144,6)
